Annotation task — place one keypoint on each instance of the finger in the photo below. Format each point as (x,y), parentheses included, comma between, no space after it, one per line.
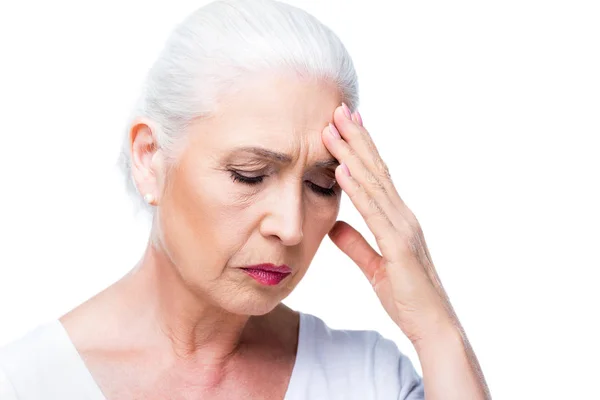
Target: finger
(351,242)
(346,154)
(375,217)
(361,143)
(359,139)
(357,118)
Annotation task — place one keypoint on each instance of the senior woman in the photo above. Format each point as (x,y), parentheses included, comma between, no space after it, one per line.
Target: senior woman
(241,147)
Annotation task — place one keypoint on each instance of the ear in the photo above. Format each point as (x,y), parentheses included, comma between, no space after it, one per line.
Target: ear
(145,154)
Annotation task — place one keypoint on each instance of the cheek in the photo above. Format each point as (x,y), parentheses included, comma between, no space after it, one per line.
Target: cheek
(326,208)
(192,224)
(320,217)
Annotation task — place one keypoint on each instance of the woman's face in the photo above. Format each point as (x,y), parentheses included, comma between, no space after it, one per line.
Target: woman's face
(255,185)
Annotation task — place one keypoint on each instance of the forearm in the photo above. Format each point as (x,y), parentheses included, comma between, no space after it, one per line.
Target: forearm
(450,367)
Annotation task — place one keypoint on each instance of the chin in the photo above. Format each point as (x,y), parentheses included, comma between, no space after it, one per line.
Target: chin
(254,303)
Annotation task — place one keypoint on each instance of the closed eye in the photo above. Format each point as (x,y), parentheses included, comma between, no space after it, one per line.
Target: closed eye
(249,180)
(255,180)
(321,190)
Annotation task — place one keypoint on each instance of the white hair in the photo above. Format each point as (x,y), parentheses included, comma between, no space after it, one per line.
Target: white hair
(209,51)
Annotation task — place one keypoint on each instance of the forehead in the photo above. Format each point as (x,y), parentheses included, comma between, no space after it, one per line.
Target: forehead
(281,112)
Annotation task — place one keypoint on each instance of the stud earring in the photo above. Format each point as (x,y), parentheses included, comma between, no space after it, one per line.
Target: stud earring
(149,198)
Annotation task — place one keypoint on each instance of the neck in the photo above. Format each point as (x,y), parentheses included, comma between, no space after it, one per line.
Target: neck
(151,317)
(185,323)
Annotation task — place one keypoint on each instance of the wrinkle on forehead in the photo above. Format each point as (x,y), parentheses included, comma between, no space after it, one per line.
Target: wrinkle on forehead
(281,113)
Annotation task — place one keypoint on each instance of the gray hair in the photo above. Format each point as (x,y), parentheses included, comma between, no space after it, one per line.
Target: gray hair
(210,50)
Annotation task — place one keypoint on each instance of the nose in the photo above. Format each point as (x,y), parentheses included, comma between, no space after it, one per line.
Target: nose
(284,217)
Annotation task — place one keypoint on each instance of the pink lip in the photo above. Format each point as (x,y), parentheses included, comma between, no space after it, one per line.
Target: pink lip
(284,269)
(268,274)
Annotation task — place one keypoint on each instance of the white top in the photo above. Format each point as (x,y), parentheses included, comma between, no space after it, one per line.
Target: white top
(330,364)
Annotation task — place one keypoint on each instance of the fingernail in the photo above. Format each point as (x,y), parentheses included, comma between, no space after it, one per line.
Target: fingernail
(334,132)
(345,169)
(358,118)
(346,111)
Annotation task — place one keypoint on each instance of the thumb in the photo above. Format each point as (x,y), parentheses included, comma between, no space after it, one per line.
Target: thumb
(351,242)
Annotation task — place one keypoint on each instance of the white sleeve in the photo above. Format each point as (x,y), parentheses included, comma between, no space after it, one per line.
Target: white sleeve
(7,392)
(395,377)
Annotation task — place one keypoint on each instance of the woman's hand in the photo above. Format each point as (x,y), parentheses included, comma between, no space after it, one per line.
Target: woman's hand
(403,276)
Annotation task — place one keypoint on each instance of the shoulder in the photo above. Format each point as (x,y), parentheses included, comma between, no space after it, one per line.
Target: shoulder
(30,350)
(357,359)
(29,359)
(348,345)
(41,364)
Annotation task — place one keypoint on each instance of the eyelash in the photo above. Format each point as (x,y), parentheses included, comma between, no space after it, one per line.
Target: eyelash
(321,191)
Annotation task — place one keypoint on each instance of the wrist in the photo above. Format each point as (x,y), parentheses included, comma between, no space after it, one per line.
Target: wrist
(442,335)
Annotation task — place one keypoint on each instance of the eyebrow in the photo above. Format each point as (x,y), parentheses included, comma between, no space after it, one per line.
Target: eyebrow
(282,157)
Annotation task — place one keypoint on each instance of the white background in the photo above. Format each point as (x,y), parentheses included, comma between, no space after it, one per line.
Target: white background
(487,113)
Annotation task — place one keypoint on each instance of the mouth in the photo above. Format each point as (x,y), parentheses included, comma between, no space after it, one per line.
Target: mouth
(268,274)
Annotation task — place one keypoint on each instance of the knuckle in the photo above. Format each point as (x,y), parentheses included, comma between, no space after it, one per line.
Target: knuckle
(375,183)
(415,244)
(406,227)
(377,212)
(383,168)
(381,187)
(374,206)
(371,178)
(407,244)
(412,222)
(369,143)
